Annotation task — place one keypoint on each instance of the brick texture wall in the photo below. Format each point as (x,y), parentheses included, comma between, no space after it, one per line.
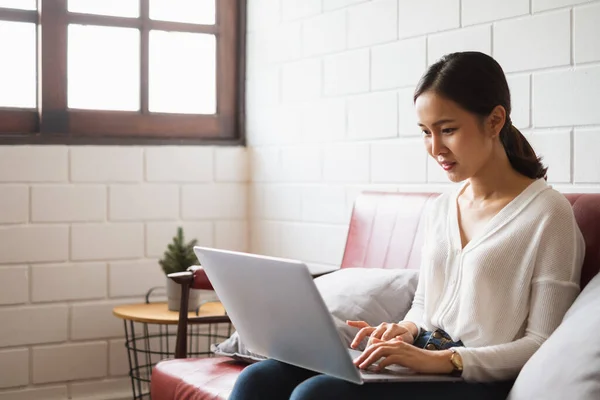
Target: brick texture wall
(81,230)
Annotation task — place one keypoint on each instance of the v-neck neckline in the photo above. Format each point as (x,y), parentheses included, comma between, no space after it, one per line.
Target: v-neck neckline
(491,225)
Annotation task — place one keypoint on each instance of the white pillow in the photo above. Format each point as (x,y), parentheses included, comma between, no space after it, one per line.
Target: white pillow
(362,294)
(567,365)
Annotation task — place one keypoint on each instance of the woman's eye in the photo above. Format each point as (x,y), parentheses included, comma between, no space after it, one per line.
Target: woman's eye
(448,131)
(426,133)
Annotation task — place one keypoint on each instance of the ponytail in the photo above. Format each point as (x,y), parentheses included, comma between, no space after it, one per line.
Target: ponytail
(521,155)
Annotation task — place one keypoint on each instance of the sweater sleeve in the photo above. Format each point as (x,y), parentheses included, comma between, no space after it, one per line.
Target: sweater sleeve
(554,287)
(416,313)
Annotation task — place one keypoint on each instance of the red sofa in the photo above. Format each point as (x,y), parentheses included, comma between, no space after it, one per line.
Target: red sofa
(385,232)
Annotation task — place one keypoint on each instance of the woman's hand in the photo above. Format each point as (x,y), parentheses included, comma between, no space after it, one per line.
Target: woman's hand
(397,351)
(385,331)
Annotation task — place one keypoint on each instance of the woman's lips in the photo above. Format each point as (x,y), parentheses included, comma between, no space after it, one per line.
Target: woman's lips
(447,165)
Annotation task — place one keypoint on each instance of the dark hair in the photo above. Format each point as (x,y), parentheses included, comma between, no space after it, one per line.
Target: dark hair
(476,82)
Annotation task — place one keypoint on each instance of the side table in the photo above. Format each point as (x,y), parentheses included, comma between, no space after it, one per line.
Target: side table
(150,334)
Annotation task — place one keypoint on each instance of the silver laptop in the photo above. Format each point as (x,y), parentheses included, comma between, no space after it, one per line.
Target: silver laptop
(278,312)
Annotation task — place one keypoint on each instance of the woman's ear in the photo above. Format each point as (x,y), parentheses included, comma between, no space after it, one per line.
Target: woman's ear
(496,120)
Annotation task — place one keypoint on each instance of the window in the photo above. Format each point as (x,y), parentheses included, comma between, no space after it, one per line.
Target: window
(121,71)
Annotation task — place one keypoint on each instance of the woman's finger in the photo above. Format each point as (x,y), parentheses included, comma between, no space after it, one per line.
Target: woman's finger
(379,331)
(381,350)
(368,350)
(361,335)
(357,324)
(394,359)
(392,331)
(366,353)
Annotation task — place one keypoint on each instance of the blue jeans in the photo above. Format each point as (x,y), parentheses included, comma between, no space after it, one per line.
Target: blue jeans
(271,379)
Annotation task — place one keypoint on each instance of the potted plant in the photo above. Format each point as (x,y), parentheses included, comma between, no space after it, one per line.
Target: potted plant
(178,257)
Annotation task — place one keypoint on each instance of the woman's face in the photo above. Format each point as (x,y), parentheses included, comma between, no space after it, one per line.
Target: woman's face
(454,137)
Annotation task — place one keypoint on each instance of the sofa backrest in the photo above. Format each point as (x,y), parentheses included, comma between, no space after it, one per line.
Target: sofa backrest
(386,230)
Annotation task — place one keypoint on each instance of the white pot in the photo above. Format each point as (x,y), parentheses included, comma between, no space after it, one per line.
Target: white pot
(174,296)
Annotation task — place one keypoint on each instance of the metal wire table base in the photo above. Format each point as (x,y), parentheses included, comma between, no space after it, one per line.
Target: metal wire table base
(147,344)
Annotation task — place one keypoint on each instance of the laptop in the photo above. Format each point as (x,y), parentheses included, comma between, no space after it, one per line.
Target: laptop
(279,313)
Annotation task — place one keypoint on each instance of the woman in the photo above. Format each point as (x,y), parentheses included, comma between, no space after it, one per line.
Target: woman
(500,264)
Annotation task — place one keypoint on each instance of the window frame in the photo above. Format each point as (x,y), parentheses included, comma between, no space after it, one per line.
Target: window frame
(54,123)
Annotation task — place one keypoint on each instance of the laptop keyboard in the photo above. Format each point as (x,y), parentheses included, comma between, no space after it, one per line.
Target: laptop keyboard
(370,371)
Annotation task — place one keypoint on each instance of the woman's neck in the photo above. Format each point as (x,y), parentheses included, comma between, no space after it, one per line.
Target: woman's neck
(496,179)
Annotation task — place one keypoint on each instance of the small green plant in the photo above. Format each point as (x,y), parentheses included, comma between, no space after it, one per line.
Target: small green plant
(179,255)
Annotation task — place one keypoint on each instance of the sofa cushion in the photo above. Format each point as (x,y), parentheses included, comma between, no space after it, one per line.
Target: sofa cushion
(371,295)
(567,365)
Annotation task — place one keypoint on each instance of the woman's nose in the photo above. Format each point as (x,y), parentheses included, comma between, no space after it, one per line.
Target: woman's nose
(437,145)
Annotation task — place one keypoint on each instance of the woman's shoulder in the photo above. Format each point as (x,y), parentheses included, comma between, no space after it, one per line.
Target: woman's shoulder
(552,207)
(551,201)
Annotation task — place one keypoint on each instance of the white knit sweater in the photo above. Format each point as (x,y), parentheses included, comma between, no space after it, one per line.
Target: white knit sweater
(508,289)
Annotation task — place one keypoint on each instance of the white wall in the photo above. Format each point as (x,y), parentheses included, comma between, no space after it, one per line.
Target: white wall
(81,230)
(329,102)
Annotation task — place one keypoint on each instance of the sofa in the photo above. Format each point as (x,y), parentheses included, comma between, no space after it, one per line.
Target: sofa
(386,231)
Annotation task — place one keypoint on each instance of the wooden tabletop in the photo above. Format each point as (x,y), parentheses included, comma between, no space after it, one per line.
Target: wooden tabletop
(158,313)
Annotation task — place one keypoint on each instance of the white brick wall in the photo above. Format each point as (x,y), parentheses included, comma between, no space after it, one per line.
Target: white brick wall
(541,5)
(360,130)
(586,26)
(301,80)
(45,393)
(107,241)
(33,164)
(516,44)
(373,116)
(346,73)
(294,9)
(117,358)
(426,16)
(143,202)
(147,276)
(116,388)
(520,92)
(14,204)
(94,321)
(398,162)
(325,33)
(68,282)
(106,164)
(397,64)
(179,164)
(33,243)
(81,230)
(14,365)
(477,38)
(587,164)
(566,97)
(33,325)
(372,22)
(14,285)
(477,11)
(68,203)
(77,361)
